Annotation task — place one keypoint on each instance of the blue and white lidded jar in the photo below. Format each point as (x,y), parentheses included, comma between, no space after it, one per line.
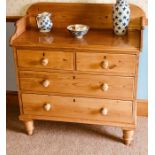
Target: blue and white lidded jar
(121,17)
(44,22)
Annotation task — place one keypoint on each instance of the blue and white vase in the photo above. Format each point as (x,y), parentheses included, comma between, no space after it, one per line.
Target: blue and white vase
(44,22)
(121,17)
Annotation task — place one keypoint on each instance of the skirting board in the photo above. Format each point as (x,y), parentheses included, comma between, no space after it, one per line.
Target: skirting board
(142,107)
(12,100)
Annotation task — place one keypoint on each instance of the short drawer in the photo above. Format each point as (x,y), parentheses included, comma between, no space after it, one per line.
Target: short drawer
(45,59)
(119,64)
(113,87)
(77,107)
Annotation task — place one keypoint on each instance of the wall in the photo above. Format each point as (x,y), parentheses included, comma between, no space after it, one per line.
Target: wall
(10,67)
(143,69)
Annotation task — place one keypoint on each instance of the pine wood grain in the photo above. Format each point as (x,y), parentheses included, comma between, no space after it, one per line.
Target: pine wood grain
(74,107)
(84,84)
(118,64)
(56,59)
(20,27)
(96,15)
(98,40)
(13,103)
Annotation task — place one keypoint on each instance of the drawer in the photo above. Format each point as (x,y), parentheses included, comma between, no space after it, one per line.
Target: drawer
(45,59)
(113,87)
(119,64)
(77,107)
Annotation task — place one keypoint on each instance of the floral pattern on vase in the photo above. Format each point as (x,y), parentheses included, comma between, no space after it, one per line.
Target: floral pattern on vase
(121,17)
(44,22)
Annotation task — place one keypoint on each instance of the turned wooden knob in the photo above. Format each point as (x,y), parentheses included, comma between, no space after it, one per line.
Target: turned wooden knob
(105,64)
(105,87)
(47,107)
(46,83)
(44,61)
(104,111)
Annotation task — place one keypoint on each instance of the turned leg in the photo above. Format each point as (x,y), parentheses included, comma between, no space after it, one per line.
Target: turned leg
(128,136)
(29,127)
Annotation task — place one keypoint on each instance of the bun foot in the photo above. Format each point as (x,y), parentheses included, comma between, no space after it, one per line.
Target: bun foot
(29,127)
(128,142)
(128,136)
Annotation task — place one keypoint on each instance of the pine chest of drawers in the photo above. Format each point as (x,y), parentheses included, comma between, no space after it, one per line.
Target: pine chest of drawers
(91,80)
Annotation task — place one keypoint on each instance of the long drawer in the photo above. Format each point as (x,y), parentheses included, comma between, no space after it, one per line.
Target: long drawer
(77,107)
(118,64)
(45,59)
(113,87)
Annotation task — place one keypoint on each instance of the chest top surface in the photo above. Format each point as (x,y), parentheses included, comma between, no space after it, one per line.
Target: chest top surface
(100,36)
(94,40)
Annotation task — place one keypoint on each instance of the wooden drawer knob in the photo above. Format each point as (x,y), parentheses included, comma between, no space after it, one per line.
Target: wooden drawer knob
(46,83)
(47,107)
(105,87)
(104,111)
(105,64)
(44,61)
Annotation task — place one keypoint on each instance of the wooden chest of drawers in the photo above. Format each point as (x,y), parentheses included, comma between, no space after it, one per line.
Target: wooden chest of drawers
(91,80)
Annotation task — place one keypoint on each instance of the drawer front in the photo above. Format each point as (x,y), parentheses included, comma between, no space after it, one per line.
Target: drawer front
(45,59)
(113,87)
(120,64)
(75,107)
